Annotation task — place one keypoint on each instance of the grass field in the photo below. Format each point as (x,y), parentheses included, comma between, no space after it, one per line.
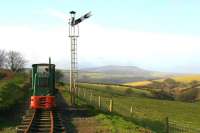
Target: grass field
(151,113)
(107,122)
(185,78)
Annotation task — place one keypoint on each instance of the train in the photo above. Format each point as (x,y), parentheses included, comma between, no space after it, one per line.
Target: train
(43,86)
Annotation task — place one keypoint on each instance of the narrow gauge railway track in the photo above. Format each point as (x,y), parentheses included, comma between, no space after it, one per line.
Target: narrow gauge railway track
(41,121)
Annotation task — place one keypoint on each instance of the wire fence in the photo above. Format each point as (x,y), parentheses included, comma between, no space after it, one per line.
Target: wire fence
(175,127)
(107,104)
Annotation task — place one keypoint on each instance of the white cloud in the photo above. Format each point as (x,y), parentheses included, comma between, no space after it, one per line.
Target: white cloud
(57,14)
(146,49)
(35,45)
(98,45)
(53,13)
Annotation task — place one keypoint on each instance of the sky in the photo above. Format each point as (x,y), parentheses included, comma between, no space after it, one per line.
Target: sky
(160,35)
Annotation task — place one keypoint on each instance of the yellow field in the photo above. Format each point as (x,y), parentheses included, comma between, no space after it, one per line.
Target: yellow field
(140,83)
(185,78)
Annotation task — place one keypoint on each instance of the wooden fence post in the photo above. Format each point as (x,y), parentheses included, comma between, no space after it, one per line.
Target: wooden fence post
(84,93)
(111,106)
(91,97)
(99,105)
(131,110)
(78,92)
(167,125)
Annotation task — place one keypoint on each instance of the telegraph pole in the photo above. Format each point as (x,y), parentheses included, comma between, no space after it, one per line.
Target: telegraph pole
(73,35)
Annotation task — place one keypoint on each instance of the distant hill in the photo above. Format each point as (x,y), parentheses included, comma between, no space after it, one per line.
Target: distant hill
(120,70)
(116,74)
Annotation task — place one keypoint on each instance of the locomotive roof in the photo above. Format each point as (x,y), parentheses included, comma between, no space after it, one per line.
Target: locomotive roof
(43,64)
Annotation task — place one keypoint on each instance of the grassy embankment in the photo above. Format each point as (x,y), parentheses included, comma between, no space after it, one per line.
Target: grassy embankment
(13,92)
(148,112)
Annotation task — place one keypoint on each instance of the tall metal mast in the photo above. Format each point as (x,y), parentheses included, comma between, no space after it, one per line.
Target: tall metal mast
(74,34)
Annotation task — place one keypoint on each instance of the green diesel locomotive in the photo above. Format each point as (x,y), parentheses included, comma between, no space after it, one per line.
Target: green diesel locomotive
(43,86)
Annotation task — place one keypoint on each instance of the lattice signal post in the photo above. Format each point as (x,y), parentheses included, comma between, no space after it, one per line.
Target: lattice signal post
(74,34)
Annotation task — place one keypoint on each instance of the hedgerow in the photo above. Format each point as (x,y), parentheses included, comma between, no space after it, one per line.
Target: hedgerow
(12,92)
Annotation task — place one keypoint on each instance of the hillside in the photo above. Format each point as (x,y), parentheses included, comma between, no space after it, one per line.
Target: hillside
(120,70)
(116,74)
(147,111)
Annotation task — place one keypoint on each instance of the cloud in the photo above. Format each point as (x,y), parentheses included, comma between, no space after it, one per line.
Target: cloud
(154,50)
(35,45)
(58,14)
(98,45)
(54,13)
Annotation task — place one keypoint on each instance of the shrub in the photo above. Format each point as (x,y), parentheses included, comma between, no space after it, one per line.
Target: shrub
(20,78)
(163,95)
(156,85)
(194,83)
(128,92)
(60,83)
(170,83)
(166,84)
(2,75)
(189,95)
(10,94)
(58,75)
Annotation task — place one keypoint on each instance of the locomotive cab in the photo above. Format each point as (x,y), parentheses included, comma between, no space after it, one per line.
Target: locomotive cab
(43,86)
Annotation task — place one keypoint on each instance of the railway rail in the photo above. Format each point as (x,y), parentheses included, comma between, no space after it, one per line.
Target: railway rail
(41,121)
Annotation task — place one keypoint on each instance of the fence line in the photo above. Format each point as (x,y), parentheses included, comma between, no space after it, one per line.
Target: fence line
(175,127)
(108,105)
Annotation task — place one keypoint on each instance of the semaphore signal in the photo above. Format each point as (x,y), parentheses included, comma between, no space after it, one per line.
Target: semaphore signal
(79,20)
(74,34)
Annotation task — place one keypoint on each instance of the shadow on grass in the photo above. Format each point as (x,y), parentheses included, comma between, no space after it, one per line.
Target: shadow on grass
(8,120)
(69,113)
(11,117)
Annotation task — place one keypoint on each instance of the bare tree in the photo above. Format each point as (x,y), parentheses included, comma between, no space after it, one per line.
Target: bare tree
(15,61)
(2,58)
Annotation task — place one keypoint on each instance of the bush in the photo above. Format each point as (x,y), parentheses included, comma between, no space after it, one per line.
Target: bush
(20,78)
(170,83)
(128,92)
(163,95)
(156,85)
(58,75)
(166,84)
(189,95)
(60,83)
(9,95)
(194,83)
(2,75)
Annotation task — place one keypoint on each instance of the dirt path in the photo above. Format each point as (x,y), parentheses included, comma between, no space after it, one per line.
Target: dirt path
(77,120)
